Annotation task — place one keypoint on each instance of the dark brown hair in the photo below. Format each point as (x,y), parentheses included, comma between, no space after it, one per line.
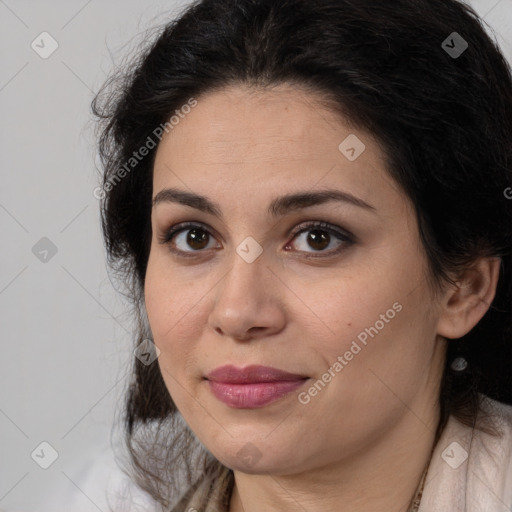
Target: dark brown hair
(443,121)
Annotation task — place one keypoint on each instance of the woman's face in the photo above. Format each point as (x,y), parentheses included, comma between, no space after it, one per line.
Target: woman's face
(345,307)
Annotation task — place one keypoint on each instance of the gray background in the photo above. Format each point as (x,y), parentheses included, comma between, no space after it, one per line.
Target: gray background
(65,332)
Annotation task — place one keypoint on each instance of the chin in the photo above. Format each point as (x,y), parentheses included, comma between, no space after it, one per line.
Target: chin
(255,457)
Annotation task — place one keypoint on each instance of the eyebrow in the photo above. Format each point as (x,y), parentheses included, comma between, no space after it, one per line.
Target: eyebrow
(278,207)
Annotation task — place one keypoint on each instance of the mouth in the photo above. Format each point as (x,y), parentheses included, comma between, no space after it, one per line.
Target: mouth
(253,386)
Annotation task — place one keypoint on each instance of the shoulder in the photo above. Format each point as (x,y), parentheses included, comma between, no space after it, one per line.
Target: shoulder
(493,455)
(471,470)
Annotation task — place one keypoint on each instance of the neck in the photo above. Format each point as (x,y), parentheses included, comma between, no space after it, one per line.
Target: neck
(384,477)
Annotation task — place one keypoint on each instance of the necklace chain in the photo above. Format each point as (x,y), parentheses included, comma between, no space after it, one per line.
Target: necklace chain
(415,503)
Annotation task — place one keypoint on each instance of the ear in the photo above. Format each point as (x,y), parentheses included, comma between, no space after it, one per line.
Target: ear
(465,304)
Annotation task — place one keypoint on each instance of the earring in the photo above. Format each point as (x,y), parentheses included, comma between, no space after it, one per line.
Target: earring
(459,364)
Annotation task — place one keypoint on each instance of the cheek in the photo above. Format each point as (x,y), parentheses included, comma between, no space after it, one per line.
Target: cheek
(173,306)
(348,306)
(169,312)
(371,317)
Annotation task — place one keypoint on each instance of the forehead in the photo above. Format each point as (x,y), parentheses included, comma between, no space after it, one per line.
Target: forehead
(241,139)
(242,122)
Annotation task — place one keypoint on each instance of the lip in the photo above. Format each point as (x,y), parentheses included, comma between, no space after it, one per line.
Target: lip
(253,386)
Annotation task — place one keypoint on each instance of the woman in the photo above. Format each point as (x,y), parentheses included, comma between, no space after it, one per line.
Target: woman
(309,203)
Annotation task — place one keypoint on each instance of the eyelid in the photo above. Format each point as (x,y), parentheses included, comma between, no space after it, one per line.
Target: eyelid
(169,233)
(319,224)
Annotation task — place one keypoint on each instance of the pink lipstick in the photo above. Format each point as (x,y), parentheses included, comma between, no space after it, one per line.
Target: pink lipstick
(253,386)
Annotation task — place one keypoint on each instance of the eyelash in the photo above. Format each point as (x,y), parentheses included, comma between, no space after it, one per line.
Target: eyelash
(346,238)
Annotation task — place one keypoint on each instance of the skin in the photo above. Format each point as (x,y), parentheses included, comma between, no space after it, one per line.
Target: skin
(366,437)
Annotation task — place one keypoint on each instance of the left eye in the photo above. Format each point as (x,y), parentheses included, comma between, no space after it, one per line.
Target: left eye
(320,236)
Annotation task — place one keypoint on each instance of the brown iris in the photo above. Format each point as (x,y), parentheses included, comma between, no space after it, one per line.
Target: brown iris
(317,239)
(197,238)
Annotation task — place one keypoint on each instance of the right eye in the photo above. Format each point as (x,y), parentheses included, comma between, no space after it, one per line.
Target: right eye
(189,235)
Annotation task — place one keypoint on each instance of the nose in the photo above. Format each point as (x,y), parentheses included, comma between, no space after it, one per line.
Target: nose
(248,302)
